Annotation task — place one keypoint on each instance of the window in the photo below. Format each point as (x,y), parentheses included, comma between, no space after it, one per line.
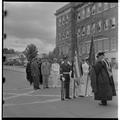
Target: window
(112,5)
(88,29)
(88,47)
(113,22)
(78,32)
(106,24)
(83,13)
(99,26)
(63,35)
(63,20)
(88,12)
(113,44)
(67,34)
(99,7)
(59,22)
(78,16)
(105,6)
(83,49)
(100,45)
(93,28)
(83,31)
(59,36)
(106,45)
(96,46)
(93,9)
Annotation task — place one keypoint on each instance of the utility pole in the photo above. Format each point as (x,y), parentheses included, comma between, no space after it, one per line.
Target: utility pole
(73,33)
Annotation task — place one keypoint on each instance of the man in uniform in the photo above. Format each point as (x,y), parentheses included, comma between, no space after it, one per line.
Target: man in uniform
(65,70)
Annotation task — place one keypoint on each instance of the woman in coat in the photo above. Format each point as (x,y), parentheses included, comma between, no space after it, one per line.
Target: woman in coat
(28,73)
(101,82)
(35,73)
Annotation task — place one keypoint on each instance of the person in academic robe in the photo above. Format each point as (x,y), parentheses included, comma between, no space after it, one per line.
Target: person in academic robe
(101,82)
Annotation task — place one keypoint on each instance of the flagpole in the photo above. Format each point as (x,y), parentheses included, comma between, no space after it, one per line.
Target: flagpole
(91,58)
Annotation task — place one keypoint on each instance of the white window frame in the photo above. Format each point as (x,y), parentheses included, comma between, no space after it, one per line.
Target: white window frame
(100,26)
(83,30)
(99,7)
(113,20)
(93,9)
(67,34)
(106,5)
(88,29)
(78,32)
(63,20)
(83,13)
(87,11)
(106,24)
(93,28)
(78,15)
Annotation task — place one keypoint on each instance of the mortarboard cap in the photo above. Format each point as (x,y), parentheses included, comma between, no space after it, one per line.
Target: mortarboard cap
(100,54)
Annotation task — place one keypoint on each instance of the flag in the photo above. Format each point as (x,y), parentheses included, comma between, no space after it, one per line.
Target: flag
(92,53)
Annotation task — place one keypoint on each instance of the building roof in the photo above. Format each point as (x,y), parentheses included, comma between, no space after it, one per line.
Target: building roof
(69,5)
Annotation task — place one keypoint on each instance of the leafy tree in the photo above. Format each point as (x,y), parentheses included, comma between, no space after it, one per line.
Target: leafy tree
(22,58)
(31,52)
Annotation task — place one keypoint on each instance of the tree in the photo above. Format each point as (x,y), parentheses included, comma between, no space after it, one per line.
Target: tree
(22,58)
(56,52)
(31,52)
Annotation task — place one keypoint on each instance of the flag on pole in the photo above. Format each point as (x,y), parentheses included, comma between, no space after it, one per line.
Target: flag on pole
(92,53)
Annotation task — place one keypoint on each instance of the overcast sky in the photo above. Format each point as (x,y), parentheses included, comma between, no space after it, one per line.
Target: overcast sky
(31,22)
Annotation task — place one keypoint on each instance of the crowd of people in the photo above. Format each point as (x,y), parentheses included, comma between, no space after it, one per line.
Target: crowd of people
(96,80)
(42,72)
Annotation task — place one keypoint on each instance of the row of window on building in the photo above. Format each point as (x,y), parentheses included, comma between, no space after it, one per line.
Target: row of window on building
(63,20)
(100,45)
(64,50)
(90,29)
(86,12)
(94,9)
(64,35)
(97,27)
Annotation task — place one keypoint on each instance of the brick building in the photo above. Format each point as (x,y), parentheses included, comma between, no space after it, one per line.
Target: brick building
(99,20)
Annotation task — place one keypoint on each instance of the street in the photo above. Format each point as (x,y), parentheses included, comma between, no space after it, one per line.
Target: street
(22,101)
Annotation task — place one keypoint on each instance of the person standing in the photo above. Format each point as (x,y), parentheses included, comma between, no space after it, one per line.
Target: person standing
(45,70)
(28,72)
(65,70)
(35,73)
(39,65)
(101,82)
(55,73)
(83,83)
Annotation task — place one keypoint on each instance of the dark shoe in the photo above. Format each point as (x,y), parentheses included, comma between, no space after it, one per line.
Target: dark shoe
(3,102)
(104,104)
(62,99)
(68,98)
(81,96)
(36,88)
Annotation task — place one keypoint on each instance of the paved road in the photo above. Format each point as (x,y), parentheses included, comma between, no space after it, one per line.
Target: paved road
(23,101)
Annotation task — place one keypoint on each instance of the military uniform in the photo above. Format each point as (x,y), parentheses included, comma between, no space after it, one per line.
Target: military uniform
(65,69)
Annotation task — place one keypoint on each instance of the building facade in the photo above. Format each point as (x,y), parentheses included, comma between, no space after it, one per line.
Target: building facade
(99,20)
